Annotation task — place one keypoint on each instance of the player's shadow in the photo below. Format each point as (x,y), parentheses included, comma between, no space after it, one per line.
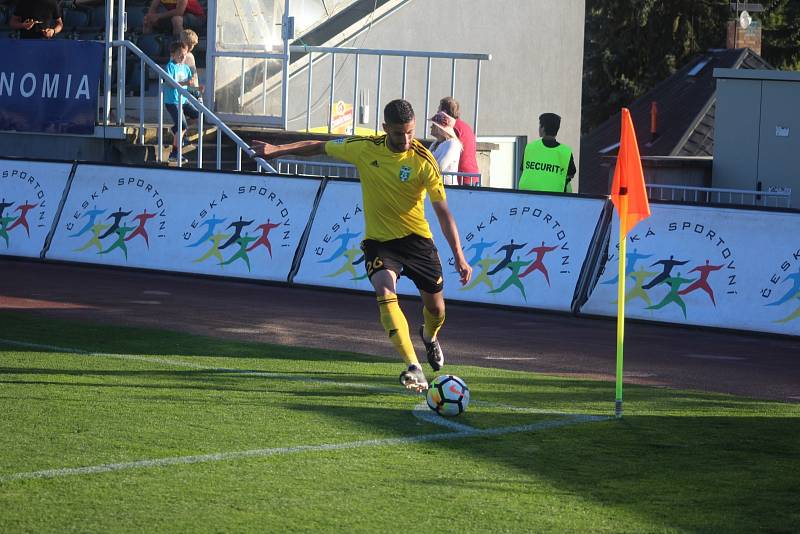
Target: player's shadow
(645,466)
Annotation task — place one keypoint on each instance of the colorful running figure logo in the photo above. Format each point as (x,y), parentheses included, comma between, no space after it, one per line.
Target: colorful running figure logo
(538,262)
(22,219)
(263,239)
(668,265)
(702,282)
(140,229)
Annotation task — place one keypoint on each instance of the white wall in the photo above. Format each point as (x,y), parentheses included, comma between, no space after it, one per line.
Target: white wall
(536,66)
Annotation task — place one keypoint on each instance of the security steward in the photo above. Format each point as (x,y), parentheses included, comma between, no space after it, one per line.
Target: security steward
(548,165)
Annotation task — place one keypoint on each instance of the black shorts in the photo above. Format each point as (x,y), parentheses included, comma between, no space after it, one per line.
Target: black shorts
(188,111)
(413,256)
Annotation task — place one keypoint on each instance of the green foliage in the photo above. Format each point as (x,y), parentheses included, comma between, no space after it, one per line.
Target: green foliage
(631,45)
(781,34)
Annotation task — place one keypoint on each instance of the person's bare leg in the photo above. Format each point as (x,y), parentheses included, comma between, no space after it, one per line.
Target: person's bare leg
(396,326)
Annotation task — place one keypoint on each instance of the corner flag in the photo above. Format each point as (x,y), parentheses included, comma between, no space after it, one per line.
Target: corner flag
(629,178)
(630,198)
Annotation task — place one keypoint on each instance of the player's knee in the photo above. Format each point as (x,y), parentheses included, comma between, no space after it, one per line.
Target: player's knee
(436,309)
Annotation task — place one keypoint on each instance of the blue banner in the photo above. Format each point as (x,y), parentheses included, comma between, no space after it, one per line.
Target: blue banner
(49,85)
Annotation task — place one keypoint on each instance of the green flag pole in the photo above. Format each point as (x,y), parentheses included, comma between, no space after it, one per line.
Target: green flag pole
(623,215)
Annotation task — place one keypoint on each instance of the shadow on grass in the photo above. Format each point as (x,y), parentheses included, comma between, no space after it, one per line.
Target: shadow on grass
(689,473)
(349,385)
(65,334)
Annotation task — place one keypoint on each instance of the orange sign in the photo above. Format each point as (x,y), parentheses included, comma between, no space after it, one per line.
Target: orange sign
(342,118)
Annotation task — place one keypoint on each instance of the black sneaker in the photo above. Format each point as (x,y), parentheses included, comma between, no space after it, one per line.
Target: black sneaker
(414,379)
(173,156)
(433,350)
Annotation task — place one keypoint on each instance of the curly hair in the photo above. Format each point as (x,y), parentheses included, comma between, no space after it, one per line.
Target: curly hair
(398,112)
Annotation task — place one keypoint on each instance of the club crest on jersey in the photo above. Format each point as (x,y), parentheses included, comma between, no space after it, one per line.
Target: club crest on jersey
(405,173)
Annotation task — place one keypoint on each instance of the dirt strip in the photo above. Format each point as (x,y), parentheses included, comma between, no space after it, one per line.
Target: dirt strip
(756,365)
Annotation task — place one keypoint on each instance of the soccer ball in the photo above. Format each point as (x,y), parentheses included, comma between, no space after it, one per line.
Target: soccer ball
(448,395)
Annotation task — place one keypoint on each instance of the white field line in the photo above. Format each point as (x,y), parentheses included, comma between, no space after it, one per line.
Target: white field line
(422,412)
(460,431)
(326,447)
(181,363)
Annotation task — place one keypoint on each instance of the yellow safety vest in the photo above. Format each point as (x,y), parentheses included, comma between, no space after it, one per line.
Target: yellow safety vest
(545,169)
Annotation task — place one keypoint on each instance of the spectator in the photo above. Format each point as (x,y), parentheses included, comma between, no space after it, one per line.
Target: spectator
(166,15)
(447,148)
(548,165)
(179,72)
(37,19)
(468,161)
(190,39)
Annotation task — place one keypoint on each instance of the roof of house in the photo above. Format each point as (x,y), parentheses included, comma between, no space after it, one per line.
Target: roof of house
(685,118)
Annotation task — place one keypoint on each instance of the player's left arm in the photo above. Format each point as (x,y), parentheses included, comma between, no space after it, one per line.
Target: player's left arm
(448,224)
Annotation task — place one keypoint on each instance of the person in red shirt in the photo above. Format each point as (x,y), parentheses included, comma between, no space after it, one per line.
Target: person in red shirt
(165,14)
(468,162)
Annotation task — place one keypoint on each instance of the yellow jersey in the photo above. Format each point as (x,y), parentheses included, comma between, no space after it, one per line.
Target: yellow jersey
(393,184)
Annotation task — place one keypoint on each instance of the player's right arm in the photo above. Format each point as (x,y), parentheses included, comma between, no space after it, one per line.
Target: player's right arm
(300,148)
(344,149)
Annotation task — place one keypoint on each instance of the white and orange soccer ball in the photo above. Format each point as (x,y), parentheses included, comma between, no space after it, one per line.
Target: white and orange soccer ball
(448,395)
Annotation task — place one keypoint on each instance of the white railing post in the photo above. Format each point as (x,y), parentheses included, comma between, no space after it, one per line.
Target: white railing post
(405,75)
(330,97)
(141,102)
(200,140)
(108,62)
(288,29)
(378,110)
(453,78)
(179,133)
(121,56)
(160,119)
(219,148)
(477,97)
(355,92)
(308,93)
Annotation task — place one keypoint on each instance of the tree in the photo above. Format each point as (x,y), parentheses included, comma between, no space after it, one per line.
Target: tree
(631,45)
(780,34)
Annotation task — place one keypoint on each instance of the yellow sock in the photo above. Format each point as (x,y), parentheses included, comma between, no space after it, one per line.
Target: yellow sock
(395,324)
(433,323)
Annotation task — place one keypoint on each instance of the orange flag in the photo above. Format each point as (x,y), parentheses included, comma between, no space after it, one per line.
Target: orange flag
(629,178)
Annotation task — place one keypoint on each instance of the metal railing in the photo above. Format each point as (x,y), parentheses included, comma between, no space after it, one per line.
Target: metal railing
(357,53)
(204,114)
(328,169)
(302,167)
(314,54)
(685,193)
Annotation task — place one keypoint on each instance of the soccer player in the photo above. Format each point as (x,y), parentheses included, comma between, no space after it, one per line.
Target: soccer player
(396,171)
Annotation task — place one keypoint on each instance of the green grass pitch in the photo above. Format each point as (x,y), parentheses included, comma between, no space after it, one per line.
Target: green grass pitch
(108,429)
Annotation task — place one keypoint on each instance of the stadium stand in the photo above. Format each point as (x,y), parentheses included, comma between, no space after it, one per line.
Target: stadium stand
(88,23)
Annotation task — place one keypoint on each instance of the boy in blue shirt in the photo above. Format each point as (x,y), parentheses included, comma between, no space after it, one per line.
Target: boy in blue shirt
(181,73)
